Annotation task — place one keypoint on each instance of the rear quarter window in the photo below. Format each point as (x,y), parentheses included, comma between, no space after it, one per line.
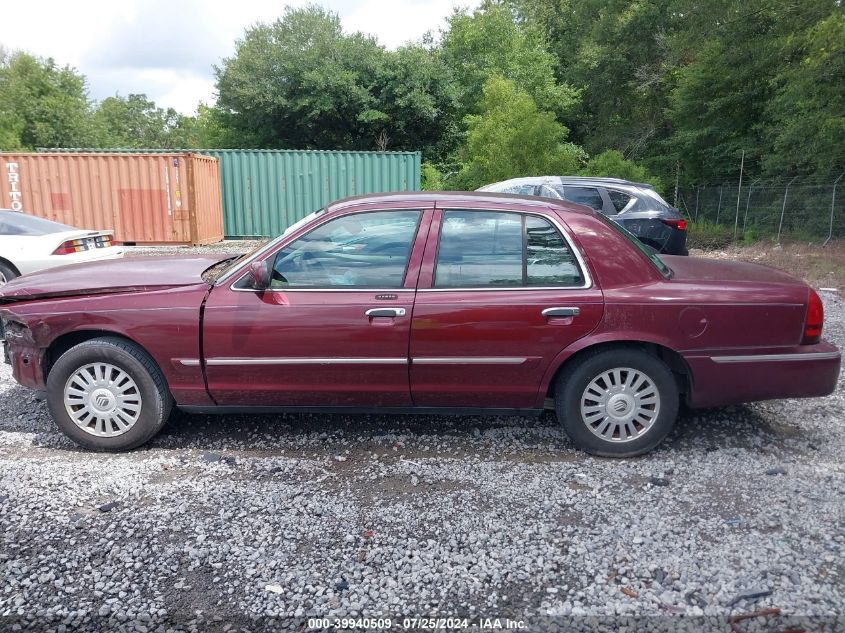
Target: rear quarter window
(620,200)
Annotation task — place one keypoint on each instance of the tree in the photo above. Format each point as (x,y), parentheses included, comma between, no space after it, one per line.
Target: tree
(717,105)
(616,53)
(417,103)
(492,41)
(612,164)
(41,104)
(806,114)
(210,130)
(430,177)
(303,83)
(512,138)
(136,122)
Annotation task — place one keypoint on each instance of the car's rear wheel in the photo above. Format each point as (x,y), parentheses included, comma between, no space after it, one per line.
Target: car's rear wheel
(107,394)
(617,402)
(7,273)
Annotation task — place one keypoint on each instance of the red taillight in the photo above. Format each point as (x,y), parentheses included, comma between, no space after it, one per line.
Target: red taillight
(105,240)
(814,320)
(675,223)
(66,248)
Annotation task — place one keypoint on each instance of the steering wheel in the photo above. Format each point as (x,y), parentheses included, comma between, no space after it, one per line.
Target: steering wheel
(305,262)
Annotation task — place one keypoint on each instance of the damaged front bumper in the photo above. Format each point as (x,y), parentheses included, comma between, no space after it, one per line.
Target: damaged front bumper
(21,352)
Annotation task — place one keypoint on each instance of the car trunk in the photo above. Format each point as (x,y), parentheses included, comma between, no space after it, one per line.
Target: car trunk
(745,305)
(700,269)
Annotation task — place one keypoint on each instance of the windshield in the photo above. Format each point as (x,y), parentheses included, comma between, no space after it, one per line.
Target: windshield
(644,249)
(231,265)
(17,223)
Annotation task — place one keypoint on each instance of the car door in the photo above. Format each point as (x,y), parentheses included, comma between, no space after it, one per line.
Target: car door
(333,328)
(501,294)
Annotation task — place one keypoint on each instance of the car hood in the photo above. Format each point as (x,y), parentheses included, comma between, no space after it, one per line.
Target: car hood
(131,274)
(699,269)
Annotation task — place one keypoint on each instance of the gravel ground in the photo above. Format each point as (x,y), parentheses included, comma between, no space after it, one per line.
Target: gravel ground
(258,523)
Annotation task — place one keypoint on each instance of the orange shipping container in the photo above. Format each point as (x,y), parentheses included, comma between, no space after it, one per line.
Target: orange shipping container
(144,198)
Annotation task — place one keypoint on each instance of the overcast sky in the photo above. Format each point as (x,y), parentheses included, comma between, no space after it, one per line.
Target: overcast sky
(166,48)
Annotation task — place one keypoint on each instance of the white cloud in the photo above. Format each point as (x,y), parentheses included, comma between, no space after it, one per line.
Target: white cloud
(167,48)
(399,22)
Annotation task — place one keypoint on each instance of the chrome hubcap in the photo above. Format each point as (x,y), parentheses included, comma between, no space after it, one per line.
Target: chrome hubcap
(102,400)
(3,279)
(620,405)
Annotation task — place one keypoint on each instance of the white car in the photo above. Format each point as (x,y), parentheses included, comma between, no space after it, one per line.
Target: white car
(29,243)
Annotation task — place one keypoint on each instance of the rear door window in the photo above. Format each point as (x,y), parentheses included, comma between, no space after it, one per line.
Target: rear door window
(481,249)
(588,196)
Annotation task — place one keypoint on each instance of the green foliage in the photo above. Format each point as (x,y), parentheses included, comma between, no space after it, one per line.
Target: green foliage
(615,52)
(209,130)
(303,83)
(41,104)
(750,237)
(418,103)
(612,164)
(807,111)
(717,104)
(44,105)
(492,41)
(512,138)
(692,83)
(135,121)
(431,178)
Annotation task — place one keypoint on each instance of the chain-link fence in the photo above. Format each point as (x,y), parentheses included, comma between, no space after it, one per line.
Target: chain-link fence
(796,208)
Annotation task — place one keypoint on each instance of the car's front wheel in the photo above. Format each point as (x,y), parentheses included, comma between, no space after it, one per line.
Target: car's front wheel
(107,394)
(7,273)
(617,402)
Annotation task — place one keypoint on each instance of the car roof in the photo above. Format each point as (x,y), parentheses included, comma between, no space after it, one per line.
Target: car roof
(445,199)
(558,180)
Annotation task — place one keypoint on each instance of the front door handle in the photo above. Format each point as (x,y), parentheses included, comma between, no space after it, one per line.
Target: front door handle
(385,312)
(561,312)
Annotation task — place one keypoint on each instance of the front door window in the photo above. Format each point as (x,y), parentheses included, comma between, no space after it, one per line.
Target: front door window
(363,250)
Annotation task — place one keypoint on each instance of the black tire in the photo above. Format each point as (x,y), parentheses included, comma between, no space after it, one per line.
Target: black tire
(156,401)
(574,380)
(7,273)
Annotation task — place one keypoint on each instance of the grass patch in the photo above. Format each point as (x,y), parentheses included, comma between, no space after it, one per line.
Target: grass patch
(820,266)
(708,235)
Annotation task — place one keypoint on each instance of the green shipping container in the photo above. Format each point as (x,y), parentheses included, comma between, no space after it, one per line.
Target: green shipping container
(265,191)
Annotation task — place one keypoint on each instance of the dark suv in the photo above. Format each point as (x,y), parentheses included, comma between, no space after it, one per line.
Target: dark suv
(636,206)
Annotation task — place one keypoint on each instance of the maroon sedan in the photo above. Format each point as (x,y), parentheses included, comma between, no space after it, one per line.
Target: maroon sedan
(418,302)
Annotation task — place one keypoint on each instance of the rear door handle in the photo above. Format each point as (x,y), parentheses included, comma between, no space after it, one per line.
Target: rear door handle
(561,312)
(385,312)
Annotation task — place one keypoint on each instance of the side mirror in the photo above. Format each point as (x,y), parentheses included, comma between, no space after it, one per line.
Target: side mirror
(260,274)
